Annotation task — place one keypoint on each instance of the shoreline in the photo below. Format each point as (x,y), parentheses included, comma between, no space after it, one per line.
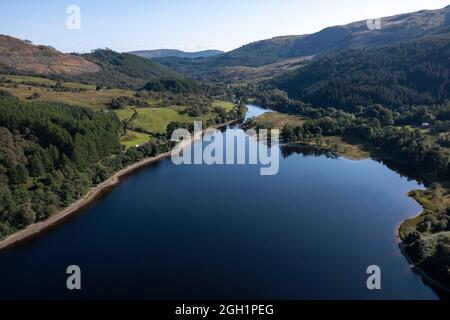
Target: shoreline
(33,230)
(435,285)
(428,280)
(341,154)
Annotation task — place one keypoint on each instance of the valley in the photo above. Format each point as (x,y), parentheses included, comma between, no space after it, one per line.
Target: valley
(359,111)
(142,207)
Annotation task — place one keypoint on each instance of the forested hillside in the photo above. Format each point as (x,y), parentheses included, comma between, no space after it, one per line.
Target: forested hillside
(255,54)
(124,70)
(331,40)
(49,157)
(103,67)
(171,85)
(416,72)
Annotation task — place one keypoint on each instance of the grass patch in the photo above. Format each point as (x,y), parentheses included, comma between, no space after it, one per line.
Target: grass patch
(276,120)
(36,81)
(155,120)
(226,105)
(349,147)
(134,138)
(434,201)
(19,79)
(94,100)
(124,114)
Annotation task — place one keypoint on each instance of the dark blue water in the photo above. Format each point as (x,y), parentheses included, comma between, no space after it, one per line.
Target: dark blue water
(201,231)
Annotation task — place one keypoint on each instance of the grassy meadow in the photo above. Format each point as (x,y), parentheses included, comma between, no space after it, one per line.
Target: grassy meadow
(226,105)
(25,86)
(276,120)
(155,120)
(152,120)
(134,138)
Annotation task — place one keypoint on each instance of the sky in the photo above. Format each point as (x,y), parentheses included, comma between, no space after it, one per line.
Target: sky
(188,25)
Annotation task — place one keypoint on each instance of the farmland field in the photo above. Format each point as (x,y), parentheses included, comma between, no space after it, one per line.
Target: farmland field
(40,80)
(134,138)
(228,106)
(94,100)
(155,120)
(124,114)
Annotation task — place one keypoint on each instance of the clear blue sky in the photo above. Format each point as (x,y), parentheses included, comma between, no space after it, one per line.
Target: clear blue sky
(185,24)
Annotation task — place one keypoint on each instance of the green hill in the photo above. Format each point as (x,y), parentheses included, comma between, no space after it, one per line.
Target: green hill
(50,155)
(102,67)
(125,70)
(331,40)
(415,72)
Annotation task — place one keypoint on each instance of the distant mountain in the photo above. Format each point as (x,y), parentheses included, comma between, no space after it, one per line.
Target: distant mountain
(253,55)
(330,40)
(358,35)
(262,52)
(22,56)
(163,53)
(104,67)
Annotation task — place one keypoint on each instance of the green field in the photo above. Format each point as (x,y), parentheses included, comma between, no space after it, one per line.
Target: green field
(19,79)
(228,106)
(155,120)
(124,114)
(134,138)
(40,80)
(434,202)
(152,120)
(276,120)
(94,100)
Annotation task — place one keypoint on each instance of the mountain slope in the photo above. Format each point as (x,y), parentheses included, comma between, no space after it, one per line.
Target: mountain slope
(22,56)
(330,40)
(412,72)
(162,53)
(103,67)
(253,55)
(260,53)
(125,70)
(357,34)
